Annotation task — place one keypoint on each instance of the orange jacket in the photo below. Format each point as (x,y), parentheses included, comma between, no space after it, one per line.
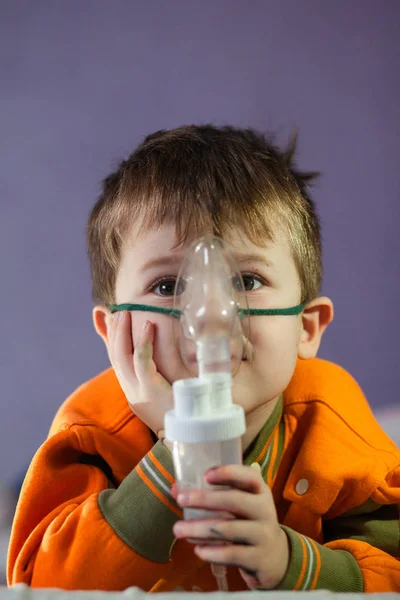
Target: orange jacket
(332,441)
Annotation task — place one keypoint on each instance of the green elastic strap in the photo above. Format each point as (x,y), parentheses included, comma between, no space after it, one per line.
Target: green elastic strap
(173,312)
(293,310)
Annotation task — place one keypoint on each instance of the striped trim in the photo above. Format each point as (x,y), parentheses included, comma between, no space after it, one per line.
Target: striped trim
(317,566)
(266,460)
(311,565)
(303,569)
(151,473)
(267,448)
(158,477)
(274,454)
(314,566)
(259,446)
(264,451)
(159,466)
(271,454)
(281,443)
(303,565)
(156,492)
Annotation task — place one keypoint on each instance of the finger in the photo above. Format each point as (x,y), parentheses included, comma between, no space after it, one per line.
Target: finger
(242,557)
(245,558)
(198,531)
(122,346)
(241,504)
(240,477)
(256,466)
(174,490)
(235,531)
(143,354)
(115,318)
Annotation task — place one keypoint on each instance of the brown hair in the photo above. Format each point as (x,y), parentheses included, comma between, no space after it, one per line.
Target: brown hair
(206,178)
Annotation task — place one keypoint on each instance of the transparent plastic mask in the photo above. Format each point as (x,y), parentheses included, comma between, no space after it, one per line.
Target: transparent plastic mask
(209,293)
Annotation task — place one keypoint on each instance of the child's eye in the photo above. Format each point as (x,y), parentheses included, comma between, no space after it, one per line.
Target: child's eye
(166,287)
(252,282)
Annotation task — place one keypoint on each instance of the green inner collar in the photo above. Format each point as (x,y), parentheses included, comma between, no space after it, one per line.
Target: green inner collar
(172,312)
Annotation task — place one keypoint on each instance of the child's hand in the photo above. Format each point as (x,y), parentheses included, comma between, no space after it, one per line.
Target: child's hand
(253,541)
(148,394)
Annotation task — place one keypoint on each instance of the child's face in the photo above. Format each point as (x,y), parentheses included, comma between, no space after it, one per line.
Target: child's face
(147,275)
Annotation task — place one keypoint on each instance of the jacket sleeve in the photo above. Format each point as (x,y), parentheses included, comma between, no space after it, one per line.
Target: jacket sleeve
(72,531)
(361,552)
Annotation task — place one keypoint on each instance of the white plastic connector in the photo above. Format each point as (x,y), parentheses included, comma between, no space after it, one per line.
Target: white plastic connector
(191,398)
(201,415)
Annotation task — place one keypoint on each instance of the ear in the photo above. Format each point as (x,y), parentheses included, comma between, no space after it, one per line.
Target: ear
(315,319)
(102,319)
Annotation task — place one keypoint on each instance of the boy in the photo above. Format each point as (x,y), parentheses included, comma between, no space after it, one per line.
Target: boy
(99,508)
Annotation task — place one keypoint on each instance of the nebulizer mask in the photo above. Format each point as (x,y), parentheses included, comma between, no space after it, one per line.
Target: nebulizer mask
(205,426)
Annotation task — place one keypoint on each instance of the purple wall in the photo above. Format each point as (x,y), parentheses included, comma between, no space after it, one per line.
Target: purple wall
(83,81)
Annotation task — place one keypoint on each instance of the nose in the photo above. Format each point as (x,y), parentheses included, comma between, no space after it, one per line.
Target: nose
(214,319)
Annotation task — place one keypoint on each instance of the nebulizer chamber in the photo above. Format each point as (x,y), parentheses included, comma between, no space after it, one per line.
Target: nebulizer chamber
(205,426)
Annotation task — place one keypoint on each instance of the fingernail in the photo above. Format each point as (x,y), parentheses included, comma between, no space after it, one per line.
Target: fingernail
(146,325)
(178,528)
(182,498)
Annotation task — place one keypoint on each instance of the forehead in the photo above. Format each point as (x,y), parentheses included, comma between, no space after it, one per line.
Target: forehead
(142,248)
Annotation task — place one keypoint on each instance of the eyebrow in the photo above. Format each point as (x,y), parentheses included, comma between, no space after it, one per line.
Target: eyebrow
(162,261)
(165,261)
(253,258)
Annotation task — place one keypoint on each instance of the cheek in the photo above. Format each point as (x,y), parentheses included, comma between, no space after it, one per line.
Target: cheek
(164,343)
(166,353)
(274,344)
(275,339)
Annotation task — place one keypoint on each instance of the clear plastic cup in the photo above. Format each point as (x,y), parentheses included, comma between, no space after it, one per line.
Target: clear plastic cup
(192,460)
